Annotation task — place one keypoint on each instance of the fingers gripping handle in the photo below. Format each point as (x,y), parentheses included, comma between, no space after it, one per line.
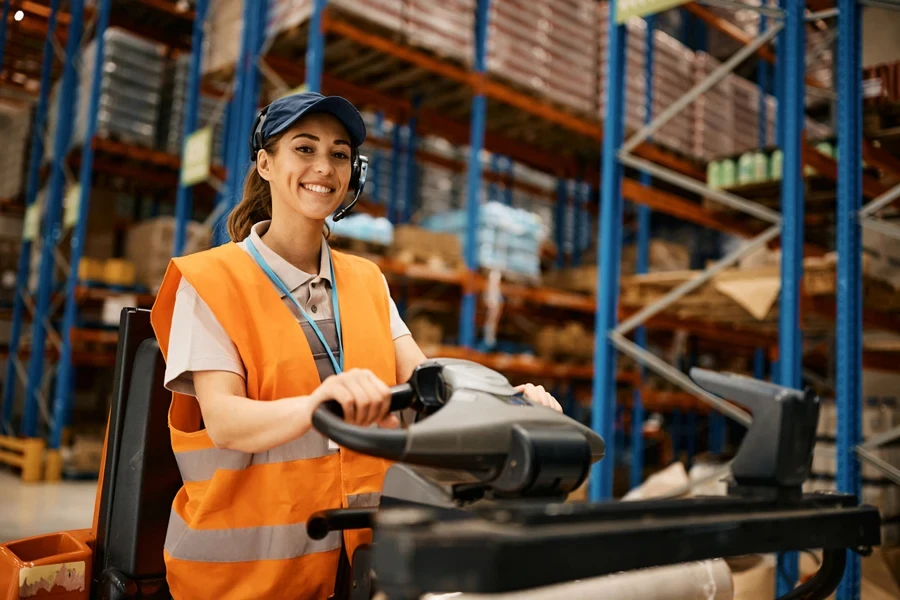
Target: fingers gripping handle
(328,419)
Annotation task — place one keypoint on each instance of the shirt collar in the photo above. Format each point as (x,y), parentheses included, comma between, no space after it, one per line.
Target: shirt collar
(291,276)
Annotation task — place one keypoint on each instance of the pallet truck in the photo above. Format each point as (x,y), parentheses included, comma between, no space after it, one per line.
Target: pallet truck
(475,500)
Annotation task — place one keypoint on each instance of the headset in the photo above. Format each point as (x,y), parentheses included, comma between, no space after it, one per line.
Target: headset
(358,174)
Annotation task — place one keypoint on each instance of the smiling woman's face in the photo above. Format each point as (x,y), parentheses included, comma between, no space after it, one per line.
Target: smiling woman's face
(309,173)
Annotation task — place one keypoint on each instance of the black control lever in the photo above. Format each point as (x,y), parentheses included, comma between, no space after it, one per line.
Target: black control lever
(328,419)
(777,450)
(338,519)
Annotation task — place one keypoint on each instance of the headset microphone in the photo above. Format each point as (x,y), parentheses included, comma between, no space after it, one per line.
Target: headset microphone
(358,180)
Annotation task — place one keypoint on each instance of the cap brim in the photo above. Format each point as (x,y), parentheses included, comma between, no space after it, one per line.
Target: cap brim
(342,110)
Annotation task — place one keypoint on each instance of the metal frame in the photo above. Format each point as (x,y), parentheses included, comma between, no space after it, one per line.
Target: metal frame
(184,198)
(848,374)
(42,329)
(616,154)
(22,297)
(473,180)
(62,407)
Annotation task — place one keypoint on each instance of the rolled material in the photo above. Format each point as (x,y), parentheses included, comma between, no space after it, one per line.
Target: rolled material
(707,580)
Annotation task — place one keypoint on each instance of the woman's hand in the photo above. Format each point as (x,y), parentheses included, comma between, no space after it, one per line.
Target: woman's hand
(364,398)
(539,395)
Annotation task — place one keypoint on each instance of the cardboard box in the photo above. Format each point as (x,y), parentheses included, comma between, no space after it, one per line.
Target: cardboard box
(149,247)
(413,244)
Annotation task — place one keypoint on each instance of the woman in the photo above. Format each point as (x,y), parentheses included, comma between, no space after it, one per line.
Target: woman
(256,334)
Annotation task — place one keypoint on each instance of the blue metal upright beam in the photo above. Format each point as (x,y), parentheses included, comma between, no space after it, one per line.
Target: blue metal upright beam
(473,176)
(62,407)
(246,95)
(315,49)
(848,372)
(377,158)
(396,154)
(410,168)
(5,16)
(52,227)
(643,260)
(31,193)
(610,236)
(793,54)
(508,190)
(184,198)
(559,221)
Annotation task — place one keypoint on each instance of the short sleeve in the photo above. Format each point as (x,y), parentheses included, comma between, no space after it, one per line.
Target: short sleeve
(197,342)
(398,327)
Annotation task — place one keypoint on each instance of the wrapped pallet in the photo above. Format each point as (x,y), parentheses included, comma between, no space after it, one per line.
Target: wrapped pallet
(714,113)
(672,78)
(543,46)
(130,90)
(15,130)
(174,100)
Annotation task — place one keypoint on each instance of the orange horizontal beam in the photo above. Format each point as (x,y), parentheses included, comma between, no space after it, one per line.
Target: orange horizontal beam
(880,159)
(681,208)
(826,306)
(827,166)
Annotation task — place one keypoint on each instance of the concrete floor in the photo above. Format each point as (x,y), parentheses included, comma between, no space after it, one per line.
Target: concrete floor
(33,509)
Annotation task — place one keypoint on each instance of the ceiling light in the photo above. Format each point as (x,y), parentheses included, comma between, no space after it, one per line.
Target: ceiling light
(19,15)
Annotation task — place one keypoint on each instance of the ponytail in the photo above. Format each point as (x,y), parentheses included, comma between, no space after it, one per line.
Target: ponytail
(256,202)
(255,206)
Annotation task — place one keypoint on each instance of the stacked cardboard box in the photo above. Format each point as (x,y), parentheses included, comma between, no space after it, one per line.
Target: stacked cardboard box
(224,25)
(174,99)
(672,78)
(149,247)
(15,129)
(130,90)
(544,46)
(446,28)
(714,112)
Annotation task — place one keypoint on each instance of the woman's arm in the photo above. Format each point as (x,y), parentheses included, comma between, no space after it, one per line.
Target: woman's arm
(408,356)
(235,422)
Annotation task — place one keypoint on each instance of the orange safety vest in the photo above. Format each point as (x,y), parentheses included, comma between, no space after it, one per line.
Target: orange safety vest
(237,528)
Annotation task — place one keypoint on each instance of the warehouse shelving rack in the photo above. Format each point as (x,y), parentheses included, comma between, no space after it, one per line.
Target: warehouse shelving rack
(96,156)
(852,187)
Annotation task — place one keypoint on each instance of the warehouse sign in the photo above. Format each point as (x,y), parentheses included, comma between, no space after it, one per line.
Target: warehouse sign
(625,9)
(72,204)
(197,157)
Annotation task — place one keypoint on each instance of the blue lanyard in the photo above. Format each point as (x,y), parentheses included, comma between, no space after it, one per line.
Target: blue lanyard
(338,366)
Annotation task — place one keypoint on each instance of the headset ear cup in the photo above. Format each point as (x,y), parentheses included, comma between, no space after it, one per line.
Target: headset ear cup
(354,174)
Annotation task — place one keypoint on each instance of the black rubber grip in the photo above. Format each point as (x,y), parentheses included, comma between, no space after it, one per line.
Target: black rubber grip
(328,419)
(320,524)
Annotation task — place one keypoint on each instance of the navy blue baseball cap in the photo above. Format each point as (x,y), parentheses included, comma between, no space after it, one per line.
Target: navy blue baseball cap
(285,112)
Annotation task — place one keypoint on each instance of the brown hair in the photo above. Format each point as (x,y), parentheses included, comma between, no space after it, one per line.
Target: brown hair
(256,203)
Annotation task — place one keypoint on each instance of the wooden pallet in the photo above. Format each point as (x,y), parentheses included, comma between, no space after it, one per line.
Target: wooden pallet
(25,454)
(360,247)
(424,258)
(709,304)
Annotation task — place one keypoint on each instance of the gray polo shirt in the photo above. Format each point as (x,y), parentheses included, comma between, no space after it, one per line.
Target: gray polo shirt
(199,343)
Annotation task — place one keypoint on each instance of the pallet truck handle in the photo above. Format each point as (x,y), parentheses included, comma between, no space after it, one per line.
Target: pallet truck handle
(328,419)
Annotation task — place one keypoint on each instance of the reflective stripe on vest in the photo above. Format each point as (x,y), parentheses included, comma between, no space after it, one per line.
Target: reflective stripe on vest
(363,500)
(201,465)
(244,544)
